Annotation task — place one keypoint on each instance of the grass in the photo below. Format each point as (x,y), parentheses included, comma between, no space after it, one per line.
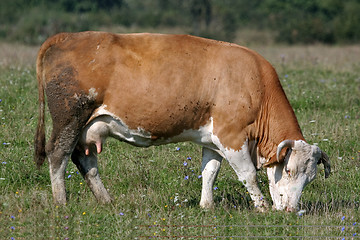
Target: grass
(156,194)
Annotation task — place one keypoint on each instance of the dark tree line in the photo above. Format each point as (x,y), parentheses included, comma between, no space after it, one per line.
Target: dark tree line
(292,21)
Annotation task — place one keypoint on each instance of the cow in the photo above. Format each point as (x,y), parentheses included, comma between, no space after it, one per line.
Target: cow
(152,89)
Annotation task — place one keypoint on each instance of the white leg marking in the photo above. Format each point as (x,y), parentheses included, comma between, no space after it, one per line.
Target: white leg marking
(57,177)
(244,168)
(211,162)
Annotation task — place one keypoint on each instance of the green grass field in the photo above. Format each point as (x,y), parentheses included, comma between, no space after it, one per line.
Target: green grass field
(157,190)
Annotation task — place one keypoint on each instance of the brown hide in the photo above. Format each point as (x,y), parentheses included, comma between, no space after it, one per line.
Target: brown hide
(166,84)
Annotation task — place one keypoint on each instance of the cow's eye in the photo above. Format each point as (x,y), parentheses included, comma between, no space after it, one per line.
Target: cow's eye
(287,171)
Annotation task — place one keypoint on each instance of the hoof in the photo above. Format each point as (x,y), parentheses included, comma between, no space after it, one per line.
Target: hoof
(105,200)
(207,205)
(262,207)
(60,201)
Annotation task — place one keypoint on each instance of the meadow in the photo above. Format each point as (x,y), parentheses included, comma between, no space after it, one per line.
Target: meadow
(156,190)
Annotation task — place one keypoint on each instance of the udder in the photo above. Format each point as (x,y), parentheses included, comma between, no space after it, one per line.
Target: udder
(104,126)
(95,133)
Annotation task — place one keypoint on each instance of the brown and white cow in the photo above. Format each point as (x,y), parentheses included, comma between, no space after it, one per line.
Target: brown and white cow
(152,89)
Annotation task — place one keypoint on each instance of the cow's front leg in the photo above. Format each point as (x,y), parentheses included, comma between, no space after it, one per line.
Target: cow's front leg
(241,162)
(211,162)
(87,165)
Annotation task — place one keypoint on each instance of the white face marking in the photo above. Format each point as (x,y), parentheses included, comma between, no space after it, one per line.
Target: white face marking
(288,179)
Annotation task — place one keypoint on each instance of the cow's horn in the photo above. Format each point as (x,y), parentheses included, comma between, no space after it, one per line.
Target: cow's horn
(286,143)
(325,160)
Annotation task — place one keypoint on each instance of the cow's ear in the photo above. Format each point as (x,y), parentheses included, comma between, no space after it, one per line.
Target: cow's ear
(271,162)
(274,160)
(325,160)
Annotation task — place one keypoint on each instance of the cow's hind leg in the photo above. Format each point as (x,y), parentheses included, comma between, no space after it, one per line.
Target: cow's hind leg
(211,162)
(59,149)
(87,165)
(70,108)
(245,169)
(58,160)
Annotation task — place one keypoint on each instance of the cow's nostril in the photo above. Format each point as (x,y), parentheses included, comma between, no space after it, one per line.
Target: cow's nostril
(290,209)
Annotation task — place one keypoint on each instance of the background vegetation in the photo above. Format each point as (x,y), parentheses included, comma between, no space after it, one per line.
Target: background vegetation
(297,21)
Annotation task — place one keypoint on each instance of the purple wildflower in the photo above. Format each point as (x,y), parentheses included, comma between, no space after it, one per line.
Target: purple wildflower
(188,158)
(301,212)
(216,188)
(200,176)
(185,164)
(186,177)
(121,214)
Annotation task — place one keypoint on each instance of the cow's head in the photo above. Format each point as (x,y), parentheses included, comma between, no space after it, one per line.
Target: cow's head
(288,178)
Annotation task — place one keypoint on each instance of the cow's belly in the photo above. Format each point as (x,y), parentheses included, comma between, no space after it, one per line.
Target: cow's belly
(103,126)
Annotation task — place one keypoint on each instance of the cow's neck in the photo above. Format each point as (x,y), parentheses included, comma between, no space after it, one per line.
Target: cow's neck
(276,123)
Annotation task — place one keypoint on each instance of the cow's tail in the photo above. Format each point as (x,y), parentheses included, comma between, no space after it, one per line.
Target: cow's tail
(39,143)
